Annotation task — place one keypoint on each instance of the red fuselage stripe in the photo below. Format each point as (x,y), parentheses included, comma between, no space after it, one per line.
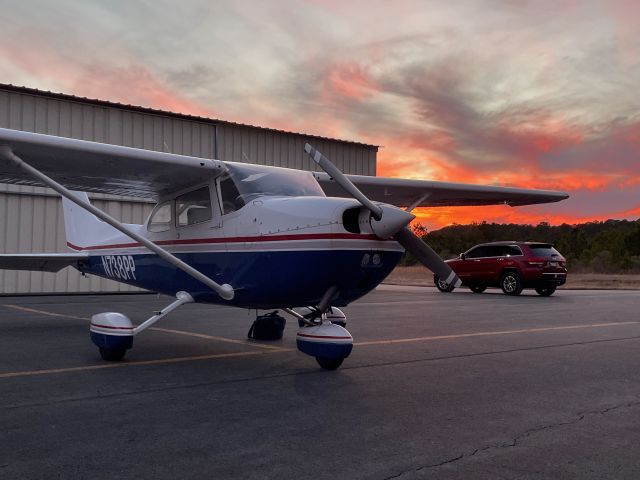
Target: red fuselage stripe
(110,327)
(263,238)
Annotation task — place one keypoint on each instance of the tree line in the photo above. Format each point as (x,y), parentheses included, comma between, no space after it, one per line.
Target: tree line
(612,246)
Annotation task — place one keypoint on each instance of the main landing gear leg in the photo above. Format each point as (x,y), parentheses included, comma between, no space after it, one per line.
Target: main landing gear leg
(320,336)
(113,332)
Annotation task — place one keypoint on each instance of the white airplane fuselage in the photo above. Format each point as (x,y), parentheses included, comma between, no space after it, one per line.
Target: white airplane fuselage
(275,251)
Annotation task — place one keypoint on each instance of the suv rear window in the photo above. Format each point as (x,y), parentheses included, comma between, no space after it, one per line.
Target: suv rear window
(542,250)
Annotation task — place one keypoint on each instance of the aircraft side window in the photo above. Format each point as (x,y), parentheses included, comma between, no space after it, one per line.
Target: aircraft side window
(160,220)
(231,198)
(193,207)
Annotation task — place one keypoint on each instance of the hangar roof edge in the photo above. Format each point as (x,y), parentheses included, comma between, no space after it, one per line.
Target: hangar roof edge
(141,109)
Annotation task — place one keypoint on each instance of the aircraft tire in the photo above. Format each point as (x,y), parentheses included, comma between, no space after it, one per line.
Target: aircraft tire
(112,354)
(329,363)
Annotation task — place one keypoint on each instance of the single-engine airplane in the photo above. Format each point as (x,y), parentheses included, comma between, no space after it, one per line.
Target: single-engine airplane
(250,236)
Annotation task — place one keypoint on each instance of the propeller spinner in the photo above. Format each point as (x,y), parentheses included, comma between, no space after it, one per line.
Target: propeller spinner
(388,221)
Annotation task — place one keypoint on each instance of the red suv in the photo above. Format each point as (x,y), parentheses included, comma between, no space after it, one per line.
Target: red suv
(511,266)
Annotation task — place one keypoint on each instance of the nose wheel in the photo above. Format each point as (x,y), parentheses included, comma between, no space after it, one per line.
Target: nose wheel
(323,336)
(330,344)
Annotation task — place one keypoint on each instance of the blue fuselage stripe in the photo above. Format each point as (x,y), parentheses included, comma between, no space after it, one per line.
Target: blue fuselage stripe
(261,279)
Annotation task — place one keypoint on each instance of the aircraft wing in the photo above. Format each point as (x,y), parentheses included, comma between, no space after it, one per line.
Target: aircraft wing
(44,262)
(98,167)
(423,193)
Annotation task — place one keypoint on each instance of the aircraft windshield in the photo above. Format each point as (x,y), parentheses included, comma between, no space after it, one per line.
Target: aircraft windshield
(243,183)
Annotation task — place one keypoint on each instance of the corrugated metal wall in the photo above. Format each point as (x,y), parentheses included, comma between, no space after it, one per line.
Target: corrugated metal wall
(237,143)
(31,217)
(33,223)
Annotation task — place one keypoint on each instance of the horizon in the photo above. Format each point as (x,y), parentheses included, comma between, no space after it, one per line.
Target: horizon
(529,94)
(417,224)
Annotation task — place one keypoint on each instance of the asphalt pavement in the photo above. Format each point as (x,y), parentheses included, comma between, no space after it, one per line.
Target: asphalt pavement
(445,386)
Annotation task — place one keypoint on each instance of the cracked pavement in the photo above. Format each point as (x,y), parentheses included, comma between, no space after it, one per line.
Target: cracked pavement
(474,387)
(457,471)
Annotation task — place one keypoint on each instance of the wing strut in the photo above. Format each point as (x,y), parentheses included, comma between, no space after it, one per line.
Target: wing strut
(225,291)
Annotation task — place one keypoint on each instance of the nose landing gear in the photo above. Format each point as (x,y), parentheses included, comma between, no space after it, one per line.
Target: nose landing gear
(330,344)
(322,332)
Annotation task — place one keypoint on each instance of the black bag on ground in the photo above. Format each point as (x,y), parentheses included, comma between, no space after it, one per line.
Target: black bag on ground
(267,327)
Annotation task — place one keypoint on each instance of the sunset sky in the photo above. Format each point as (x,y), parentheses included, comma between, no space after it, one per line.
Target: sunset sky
(540,94)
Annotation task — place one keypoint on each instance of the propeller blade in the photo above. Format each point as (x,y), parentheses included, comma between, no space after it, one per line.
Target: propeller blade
(340,178)
(426,256)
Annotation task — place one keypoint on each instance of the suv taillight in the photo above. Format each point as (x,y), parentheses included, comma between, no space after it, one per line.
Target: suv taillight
(536,262)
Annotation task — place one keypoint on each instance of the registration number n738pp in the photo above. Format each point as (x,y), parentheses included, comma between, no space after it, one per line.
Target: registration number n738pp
(121,267)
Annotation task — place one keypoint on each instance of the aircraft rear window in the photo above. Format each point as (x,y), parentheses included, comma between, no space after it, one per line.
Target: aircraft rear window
(160,219)
(193,207)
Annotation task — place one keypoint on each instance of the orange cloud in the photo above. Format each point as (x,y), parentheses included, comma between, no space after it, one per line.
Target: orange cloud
(439,217)
(348,80)
(133,84)
(129,83)
(411,157)
(420,164)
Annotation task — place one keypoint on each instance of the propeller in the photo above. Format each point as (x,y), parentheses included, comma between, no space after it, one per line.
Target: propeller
(388,221)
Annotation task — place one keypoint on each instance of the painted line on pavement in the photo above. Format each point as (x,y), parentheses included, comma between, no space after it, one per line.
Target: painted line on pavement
(160,361)
(45,312)
(285,350)
(496,333)
(156,329)
(218,339)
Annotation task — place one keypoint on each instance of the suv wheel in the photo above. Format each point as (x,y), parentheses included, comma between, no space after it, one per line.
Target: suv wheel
(478,288)
(510,283)
(546,290)
(443,286)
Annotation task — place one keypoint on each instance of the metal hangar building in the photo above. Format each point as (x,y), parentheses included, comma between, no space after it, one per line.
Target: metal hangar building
(31,217)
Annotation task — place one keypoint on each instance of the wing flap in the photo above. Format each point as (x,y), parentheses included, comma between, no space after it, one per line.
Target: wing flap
(423,193)
(103,168)
(43,262)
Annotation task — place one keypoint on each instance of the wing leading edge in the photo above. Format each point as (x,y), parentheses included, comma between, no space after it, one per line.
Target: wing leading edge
(103,168)
(423,193)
